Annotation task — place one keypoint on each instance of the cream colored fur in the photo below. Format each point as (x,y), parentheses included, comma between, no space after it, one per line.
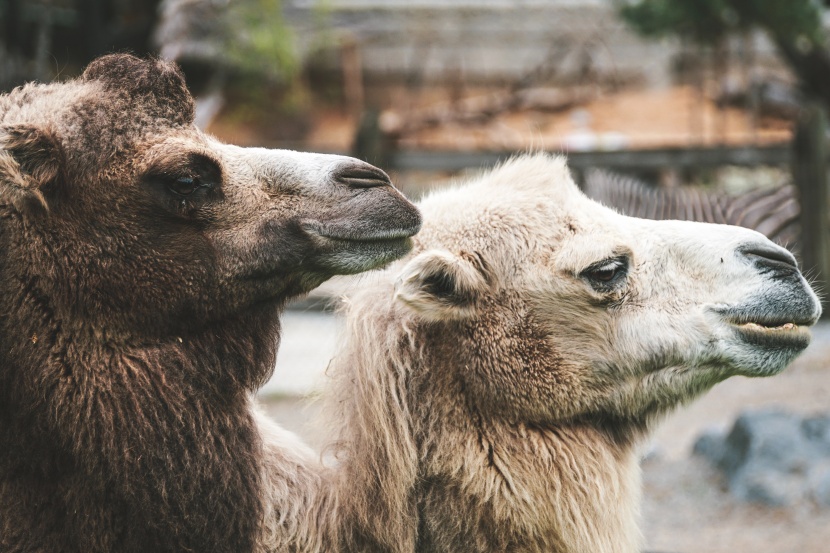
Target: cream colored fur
(492,390)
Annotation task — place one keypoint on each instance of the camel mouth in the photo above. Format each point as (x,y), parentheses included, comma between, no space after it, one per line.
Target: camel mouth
(774,334)
(347,251)
(782,324)
(369,223)
(779,322)
(348,235)
(344,236)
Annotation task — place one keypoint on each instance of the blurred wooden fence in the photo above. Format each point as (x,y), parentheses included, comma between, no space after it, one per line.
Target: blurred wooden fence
(622,160)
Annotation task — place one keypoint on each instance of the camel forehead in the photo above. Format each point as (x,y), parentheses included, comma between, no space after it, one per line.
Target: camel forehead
(526,204)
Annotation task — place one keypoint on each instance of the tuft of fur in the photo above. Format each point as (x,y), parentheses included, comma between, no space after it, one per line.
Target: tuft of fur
(362,499)
(157,81)
(30,160)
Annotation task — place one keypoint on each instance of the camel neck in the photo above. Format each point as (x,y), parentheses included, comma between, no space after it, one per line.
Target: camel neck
(157,442)
(566,487)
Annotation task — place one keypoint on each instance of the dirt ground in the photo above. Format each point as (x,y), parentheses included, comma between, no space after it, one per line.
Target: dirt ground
(685,506)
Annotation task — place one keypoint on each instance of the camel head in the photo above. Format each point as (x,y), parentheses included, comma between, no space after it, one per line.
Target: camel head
(127,213)
(143,265)
(540,305)
(495,384)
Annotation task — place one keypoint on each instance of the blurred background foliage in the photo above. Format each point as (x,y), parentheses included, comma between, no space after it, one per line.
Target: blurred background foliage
(463,74)
(709,21)
(795,26)
(259,41)
(244,46)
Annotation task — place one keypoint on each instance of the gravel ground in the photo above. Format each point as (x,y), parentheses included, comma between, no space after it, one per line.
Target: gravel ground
(685,507)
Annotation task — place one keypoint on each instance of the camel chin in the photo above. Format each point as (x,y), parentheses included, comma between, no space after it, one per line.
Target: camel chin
(765,351)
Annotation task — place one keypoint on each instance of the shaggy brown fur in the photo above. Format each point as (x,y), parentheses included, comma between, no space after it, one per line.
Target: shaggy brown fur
(494,386)
(143,268)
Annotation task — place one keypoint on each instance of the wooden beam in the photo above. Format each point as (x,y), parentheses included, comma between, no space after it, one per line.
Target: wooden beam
(810,176)
(632,160)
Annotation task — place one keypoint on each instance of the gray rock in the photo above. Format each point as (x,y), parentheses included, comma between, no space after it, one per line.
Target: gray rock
(768,440)
(710,445)
(817,431)
(769,487)
(773,457)
(819,483)
(652,454)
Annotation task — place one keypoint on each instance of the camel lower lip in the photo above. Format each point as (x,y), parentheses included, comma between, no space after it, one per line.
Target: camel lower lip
(345,257)
(366,239)
(383,236)
(786,335)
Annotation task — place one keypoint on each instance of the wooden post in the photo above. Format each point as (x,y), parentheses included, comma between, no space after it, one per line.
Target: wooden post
(810,176)
(352,65)
(370,142)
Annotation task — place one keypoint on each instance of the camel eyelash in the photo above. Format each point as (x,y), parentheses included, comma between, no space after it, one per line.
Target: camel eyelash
(186,186)
(606,275)
(186,181)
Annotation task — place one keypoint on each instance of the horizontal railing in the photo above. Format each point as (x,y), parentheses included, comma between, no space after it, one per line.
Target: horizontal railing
(631,160)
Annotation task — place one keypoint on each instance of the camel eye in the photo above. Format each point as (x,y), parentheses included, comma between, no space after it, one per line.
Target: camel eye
(606,273)
(184,183)
(185,186)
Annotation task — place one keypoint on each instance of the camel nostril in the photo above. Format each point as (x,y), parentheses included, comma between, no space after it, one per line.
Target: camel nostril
(769,256)
(361,175)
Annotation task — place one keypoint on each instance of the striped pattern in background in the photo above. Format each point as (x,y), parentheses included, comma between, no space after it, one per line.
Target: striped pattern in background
(774,212)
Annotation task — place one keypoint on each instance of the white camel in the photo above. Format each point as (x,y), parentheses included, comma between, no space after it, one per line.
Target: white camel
(495,385)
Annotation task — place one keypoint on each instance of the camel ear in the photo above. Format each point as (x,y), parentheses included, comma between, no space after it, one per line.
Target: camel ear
(29,163)
(441,286)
